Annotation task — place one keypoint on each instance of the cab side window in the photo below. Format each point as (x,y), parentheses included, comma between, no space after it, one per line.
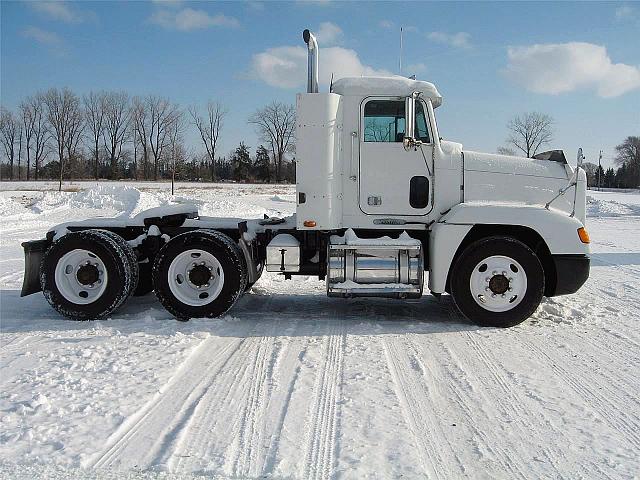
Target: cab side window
(384,121)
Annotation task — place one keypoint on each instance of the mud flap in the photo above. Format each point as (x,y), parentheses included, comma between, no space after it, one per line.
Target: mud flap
(33,253)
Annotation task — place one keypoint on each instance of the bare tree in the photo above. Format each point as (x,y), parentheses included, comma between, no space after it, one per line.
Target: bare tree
(275,124)
(140,123)
(175,143)
(94,111)
(66,120)
(628,155)
(529,132)
(36,132)
(161,116)
(116,124)
(209,130)
(8,135)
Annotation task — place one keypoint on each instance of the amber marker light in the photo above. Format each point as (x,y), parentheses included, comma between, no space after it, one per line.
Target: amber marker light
(309,223)
(583,234)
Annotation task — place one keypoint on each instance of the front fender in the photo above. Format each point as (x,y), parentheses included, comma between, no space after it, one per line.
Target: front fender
(557,229)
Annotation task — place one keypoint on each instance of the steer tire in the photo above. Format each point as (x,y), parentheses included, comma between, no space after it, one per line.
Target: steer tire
(230,284)
(473,257)
(121,277)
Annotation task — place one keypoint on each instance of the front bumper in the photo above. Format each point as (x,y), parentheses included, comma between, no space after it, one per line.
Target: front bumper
(571,271)
(33,253)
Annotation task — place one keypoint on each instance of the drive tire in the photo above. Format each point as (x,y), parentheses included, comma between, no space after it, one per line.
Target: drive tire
(217,247)
(131,257)
(145,282)
(113,256)
(521,262)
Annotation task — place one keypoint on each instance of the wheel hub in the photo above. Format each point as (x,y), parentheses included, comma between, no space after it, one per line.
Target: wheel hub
(81,276)
(199,275)
(87,274)
(499,284)
(196,277)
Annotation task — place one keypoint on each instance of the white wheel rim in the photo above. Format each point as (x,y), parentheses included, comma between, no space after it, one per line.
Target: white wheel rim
(185,287)
(81,276)
(498,283)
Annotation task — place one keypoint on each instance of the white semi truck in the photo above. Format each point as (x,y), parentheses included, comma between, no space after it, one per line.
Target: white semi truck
(382,199)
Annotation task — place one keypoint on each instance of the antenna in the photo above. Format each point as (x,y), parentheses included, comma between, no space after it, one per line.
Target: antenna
(400,61)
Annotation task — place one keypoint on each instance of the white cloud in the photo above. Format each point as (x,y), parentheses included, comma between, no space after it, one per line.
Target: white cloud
(565,67)
(286,67)
(42,36)
(329,34)
(625,12)
(458,40)
(387,24)
(187,19)
(58,11)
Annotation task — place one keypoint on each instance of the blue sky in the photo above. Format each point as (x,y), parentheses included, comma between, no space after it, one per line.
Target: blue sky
(578,62)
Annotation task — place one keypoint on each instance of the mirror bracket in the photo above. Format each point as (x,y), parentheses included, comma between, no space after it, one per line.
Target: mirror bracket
(409,140)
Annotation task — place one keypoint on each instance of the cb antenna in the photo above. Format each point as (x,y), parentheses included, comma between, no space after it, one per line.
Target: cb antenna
(400,60)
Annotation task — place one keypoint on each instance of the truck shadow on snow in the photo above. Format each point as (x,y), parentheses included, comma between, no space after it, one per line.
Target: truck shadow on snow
(254,315)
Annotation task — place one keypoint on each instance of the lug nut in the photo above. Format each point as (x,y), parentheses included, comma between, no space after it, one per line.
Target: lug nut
(194,264)
(503,295)
(486,289)
(206,285)
(504,273)
(487,279)
(493,295)
(510,289)
(494,273)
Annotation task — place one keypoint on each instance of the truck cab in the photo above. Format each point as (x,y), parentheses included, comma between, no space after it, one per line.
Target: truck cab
(384,206)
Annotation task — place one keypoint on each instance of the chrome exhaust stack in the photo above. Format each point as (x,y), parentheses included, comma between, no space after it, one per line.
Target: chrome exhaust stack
(312,61)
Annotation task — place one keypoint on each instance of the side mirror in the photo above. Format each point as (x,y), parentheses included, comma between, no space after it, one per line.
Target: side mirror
(410,120)
(580,158)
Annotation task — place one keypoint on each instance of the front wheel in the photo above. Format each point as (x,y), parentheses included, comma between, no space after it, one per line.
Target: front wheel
(199,274)
(497,282)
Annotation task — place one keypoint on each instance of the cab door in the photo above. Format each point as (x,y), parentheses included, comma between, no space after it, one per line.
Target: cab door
(393,181)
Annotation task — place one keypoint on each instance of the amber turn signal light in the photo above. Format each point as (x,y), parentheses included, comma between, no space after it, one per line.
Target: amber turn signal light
(309,223)
(584,235)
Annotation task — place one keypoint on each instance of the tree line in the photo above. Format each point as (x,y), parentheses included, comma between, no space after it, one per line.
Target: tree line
(530,132)
(57,134)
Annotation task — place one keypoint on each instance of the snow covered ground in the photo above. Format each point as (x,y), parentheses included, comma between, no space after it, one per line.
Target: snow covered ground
(293,384)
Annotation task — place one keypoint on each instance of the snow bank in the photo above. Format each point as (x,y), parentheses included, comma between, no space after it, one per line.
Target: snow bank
(118,198)
(607,204)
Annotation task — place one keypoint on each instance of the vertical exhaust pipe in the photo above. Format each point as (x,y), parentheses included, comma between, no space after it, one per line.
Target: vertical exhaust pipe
(312,61)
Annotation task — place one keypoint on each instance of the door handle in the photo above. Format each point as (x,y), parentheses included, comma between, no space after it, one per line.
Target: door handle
(352,175)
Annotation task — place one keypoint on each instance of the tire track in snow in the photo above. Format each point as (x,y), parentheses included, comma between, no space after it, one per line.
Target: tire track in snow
(263,415)
(620,417)
(243,453)
(137,442)
(415,400)
(323,419)
(199,443)
(511,400)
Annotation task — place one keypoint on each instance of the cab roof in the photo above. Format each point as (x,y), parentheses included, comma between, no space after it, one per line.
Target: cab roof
(395,86)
